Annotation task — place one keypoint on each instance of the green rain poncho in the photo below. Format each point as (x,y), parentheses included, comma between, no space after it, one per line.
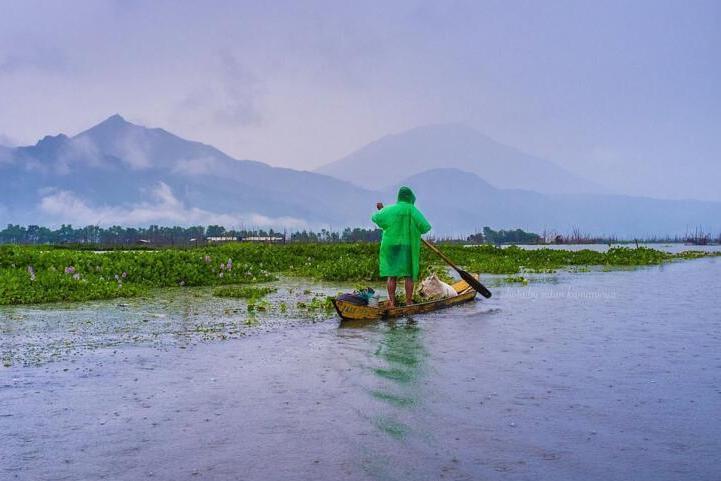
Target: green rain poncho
(402,225)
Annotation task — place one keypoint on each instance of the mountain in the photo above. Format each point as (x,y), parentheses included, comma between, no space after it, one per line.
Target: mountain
(395,157)
(121,172)
(474,203)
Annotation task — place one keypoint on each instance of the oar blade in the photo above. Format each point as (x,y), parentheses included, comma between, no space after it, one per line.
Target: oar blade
(475,283)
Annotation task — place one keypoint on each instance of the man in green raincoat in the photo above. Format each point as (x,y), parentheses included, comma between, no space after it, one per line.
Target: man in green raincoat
(402,224)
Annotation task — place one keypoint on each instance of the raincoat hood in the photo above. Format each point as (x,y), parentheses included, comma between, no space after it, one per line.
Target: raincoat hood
(405,194)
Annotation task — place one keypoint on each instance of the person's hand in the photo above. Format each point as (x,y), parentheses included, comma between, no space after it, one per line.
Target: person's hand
(379,205)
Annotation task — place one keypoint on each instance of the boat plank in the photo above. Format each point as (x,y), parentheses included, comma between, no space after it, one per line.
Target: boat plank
(350,311)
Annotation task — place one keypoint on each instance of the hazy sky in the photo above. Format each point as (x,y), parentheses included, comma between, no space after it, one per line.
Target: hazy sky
(626,93)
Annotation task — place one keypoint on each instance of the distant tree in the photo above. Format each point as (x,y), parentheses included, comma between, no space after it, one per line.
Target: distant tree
(476,238)
(215,231)
(517,236)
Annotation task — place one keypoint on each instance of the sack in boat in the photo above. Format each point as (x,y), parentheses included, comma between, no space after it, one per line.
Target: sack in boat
(433,287)
(358,298)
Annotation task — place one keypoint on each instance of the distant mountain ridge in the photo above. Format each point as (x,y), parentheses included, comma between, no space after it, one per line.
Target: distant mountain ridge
(475,202)
(392,158)
(121,173)
(122,169)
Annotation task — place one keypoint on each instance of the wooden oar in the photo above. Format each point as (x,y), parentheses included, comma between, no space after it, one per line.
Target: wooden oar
(472,281)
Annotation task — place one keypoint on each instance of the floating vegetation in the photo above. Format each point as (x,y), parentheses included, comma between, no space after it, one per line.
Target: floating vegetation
(35,274)
(243,292)
(318,302)
(255,306)
(516,279)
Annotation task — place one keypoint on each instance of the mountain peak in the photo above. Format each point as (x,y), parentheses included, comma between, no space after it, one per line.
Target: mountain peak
(115,119)
(52,140)
(447,178)
(395,157)
(109,127)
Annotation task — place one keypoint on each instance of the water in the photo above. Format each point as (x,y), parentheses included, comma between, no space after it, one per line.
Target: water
(594,376)
(673,248)
(169,318)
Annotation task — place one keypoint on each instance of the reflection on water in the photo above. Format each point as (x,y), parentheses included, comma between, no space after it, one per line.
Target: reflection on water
(394,388)
(402,353)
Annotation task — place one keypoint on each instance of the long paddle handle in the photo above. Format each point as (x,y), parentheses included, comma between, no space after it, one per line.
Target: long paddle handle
(472,281)
(440,254)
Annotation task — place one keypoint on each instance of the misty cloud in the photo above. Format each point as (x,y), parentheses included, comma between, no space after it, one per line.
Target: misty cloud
(7,141)
(241,89)
(198,166)
(163,208)
(232,100)
(131,148)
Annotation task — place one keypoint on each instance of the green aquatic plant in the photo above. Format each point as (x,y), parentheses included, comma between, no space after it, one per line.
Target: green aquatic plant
(243,292)
(254,305)
(33,274)
(316,303)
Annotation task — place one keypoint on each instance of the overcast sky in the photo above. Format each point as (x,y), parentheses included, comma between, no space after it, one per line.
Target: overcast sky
(626,93)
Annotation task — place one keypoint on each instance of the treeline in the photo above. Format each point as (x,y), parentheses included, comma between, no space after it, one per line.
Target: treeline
(155,235)
(347,235)
(119,235)
(516,236)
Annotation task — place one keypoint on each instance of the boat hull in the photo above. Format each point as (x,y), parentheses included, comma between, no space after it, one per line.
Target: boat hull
(348,311)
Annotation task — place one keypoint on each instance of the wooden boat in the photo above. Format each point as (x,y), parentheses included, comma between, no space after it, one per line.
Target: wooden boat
(349,311)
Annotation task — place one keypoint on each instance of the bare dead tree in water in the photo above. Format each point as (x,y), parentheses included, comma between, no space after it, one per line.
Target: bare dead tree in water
(698,238)
(578,237)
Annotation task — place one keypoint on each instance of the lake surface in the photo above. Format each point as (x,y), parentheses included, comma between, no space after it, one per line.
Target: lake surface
(673,248)
(576,376)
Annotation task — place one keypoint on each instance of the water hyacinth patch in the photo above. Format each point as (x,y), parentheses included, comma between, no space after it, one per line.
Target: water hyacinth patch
(110,274)
(243,292)
(127,273)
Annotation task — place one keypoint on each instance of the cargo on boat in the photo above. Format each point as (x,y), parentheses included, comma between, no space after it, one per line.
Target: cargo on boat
(350,311)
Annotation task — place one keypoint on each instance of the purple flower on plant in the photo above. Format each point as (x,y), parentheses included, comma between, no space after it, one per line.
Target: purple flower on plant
(31,271)
(70,270)
(229,265)
(124,275)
